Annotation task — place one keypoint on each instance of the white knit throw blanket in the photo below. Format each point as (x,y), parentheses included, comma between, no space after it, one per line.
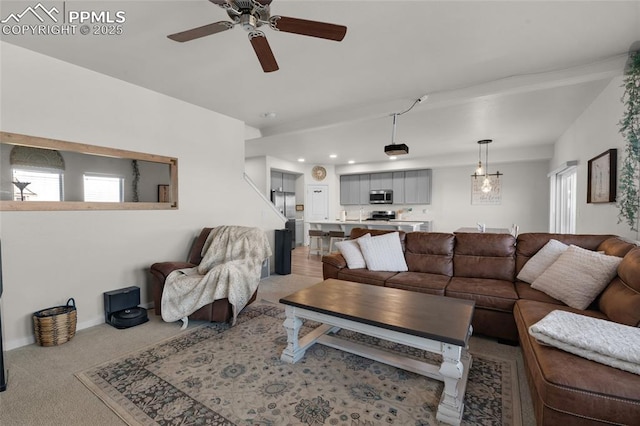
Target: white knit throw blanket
(606,342)
(230,268)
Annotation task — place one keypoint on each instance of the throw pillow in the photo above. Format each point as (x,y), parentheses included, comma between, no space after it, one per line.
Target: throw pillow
(578,276)
(350,250)
(539,263)
(384,253)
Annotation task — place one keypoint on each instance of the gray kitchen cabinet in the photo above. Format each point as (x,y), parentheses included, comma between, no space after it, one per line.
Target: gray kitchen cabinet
(289,182)
(349,190)
(285,182)
(365,186)
(417,187)
(354,190)
(397,186)
(277,183)
(381,181)
(409,187)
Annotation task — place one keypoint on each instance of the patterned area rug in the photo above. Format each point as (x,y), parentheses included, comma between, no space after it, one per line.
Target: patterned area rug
(222,375)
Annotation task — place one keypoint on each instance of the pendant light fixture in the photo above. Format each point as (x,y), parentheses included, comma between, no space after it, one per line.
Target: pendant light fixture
(481,172)
(400,148)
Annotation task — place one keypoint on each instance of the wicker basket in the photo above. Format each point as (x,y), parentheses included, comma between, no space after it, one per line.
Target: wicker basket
(57,325)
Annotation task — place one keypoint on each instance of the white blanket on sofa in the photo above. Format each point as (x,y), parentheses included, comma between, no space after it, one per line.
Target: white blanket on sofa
(230,268)
(606,342)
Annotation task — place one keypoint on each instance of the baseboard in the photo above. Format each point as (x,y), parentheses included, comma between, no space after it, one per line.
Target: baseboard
(30,340)
(18,343)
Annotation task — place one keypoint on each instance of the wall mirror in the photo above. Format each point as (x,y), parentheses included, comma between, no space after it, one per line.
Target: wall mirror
(47,174)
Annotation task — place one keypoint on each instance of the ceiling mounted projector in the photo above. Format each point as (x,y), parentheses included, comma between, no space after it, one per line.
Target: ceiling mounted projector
(396,149)
(400,148)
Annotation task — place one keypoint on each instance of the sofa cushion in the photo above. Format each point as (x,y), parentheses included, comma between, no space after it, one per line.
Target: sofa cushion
(539,263)
(480,255)
(350,250)
(578,276)
(383,253)
(365,276)
(529,243)
(419,281)
(525,291)
(616,246)
(430,252)
(359,232)
(498,295)
(570,384)
(197,248)
(620,301)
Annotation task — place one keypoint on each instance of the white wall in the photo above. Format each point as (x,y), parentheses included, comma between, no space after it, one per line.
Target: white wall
(51,256)
(595,131)
(256,169)
(525,199)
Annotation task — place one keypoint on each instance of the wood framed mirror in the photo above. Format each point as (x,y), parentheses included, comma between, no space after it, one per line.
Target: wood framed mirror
(78,176)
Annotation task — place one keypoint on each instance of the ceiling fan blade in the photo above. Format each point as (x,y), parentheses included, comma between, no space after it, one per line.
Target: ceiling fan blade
(263,51)
(203,31)
(308,28)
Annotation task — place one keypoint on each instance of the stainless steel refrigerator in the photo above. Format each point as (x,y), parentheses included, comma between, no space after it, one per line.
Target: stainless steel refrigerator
(285,202)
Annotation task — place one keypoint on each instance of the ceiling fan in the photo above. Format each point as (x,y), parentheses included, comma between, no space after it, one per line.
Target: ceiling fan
(252,14)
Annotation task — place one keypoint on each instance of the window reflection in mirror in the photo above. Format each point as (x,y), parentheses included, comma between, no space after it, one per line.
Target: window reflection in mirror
(46,174)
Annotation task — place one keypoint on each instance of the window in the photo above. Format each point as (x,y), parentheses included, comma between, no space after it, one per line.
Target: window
(103,188)
(43,185)
(26,152)
(563,199)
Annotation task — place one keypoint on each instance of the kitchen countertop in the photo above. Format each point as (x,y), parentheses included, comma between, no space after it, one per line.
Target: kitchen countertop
(348,225)
(367,222)
(486,231)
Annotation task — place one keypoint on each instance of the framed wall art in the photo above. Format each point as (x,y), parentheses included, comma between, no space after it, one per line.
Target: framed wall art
(491,198)
(602,177)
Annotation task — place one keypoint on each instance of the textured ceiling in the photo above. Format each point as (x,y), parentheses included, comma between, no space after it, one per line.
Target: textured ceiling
(517,72)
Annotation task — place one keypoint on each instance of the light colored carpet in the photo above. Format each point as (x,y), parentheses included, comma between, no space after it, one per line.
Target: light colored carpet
(222,375)
(43,390)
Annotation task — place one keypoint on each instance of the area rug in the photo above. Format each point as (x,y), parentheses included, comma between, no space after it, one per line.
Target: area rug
(216,374)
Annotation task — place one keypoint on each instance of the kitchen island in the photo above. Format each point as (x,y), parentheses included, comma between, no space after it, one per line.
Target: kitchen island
(347,225)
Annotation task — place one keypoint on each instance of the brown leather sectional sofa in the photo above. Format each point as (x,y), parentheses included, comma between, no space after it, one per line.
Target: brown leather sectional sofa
(566,389)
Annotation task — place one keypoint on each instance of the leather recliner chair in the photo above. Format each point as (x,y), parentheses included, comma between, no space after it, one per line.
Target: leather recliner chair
(218,311)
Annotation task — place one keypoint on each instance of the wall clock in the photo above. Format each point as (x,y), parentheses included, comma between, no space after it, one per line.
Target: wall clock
(319,173)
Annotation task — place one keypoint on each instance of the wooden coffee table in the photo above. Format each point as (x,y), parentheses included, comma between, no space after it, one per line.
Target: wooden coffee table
(432,323)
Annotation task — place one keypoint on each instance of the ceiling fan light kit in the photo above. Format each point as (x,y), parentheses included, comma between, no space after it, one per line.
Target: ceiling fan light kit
(252,14)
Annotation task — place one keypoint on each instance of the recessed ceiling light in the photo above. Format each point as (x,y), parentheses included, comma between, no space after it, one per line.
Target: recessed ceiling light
(269,114)
(393,157)
(333,156)
(351,161)
(301,160)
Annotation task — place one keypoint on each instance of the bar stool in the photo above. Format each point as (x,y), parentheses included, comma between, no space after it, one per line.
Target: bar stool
(318,236)
(335,236)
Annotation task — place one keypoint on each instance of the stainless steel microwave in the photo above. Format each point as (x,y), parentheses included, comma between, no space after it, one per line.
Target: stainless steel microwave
(381,196)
